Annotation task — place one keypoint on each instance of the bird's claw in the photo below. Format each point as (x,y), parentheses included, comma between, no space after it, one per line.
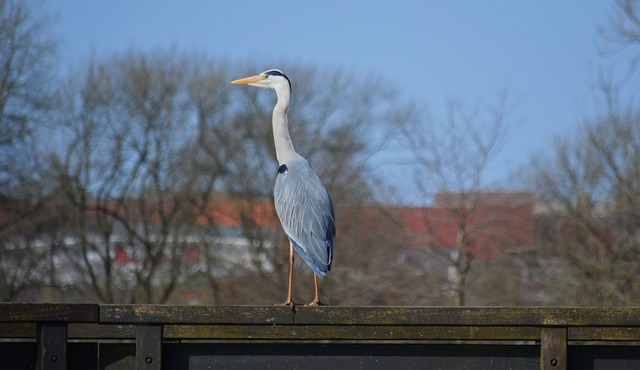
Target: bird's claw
(288,303)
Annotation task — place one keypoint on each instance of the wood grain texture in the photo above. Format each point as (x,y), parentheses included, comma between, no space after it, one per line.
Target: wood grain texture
(48,312)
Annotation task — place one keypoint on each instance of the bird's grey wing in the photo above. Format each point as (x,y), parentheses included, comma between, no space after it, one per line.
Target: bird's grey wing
(306,213)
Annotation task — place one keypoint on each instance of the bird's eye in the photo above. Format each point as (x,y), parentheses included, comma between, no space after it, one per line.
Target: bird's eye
(264,77)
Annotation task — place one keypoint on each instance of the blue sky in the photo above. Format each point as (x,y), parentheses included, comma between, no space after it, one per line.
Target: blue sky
(544,53)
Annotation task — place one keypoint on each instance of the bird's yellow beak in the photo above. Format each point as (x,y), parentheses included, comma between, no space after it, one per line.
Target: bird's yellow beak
(247,80)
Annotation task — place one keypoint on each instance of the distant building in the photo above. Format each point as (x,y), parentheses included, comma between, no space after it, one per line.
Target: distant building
(492,223)
(231,237)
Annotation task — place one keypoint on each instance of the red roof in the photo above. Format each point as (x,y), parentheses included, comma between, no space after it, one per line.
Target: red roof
(230,213)
(489,228)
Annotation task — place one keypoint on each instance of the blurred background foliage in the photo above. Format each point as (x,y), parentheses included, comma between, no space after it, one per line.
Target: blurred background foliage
(144,177)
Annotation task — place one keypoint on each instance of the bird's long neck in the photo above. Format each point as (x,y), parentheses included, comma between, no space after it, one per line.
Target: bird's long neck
(281,137)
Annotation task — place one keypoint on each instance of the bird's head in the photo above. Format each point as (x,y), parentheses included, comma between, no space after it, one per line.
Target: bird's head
(271,79)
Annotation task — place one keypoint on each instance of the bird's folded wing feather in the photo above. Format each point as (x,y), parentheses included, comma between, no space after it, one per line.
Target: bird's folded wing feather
(306,213)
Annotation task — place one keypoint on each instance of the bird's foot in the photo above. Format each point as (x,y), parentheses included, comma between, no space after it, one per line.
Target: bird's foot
(288,303)
(315,303)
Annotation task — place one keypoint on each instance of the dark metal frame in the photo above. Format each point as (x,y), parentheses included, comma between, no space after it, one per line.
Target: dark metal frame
(91,336)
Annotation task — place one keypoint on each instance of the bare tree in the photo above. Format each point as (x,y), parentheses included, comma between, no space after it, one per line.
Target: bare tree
(453,155)
(25,251)
(623,32)
(126,126)
(26,58)
(590,189)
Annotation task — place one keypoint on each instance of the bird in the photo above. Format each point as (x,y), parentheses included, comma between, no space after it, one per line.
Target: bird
(301,201)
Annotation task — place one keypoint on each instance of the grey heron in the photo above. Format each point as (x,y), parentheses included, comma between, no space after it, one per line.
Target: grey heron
(301,201)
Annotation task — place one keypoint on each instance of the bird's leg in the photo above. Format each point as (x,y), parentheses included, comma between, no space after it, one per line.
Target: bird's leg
(316,300)
(289,301)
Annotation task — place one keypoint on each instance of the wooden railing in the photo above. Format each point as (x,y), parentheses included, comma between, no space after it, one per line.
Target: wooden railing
(90,336)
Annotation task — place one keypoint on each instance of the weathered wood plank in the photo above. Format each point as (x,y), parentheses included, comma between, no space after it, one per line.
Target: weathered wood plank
(450,316)
(18,330)
(352,333)
(99,331)
(48,312)
(134,314)
(604,334)
(327,315)
(118,321)
(269,315)
(214,332)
